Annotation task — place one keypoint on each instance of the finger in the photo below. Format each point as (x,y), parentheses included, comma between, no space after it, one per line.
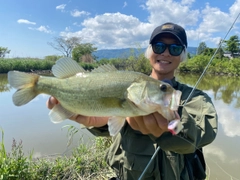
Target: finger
(51,102)
(152,125)
(132,122)
(80,119)
(90,121)
(150,122)
(162,123)
(137,124)
(141,125)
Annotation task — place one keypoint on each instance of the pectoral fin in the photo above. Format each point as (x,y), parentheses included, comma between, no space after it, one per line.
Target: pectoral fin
(59,113)
(115,124)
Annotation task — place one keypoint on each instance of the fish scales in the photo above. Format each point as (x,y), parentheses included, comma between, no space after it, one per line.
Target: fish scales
(98,93)
(103,92)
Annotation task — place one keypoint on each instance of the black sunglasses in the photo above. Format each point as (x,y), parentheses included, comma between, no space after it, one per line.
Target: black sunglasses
(174,49)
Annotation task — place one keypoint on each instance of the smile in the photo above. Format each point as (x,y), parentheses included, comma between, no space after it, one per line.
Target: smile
(163,62)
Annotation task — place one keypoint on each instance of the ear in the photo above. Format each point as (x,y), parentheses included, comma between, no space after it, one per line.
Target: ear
(183,56)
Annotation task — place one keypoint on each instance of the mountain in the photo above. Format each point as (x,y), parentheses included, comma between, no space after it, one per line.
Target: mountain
(125,53)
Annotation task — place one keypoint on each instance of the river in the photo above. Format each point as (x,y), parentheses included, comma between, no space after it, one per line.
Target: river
(31,125)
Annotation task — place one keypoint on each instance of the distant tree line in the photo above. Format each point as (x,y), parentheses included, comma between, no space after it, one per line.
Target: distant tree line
(83,54)
(232,46)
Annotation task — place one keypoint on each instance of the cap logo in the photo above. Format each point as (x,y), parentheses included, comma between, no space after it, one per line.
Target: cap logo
(167,26)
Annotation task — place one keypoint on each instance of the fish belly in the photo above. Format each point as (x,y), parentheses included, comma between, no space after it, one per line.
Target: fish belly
(94,94)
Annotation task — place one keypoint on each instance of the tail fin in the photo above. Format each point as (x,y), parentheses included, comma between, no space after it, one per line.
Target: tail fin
(24,83)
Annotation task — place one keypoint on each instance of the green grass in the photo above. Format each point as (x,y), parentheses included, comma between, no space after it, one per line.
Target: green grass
(85,162)
(25,64)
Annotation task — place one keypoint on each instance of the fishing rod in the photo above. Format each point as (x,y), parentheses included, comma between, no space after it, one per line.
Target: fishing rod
(189,96)
(210,61)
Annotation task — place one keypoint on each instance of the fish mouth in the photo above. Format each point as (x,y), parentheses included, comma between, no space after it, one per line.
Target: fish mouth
(175,100)
(172,100)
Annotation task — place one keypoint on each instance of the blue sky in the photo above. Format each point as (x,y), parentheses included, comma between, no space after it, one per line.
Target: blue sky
(28,25)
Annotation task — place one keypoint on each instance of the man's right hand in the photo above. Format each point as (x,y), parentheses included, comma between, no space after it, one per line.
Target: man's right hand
(85,120)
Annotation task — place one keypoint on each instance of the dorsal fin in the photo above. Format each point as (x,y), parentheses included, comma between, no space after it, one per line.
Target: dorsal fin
(104,68)
(66,67)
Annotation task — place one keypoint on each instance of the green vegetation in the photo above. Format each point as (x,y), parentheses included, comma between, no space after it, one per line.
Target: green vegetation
(86,162)
(4,51)
(139,63)
(232,45)
(25,64)
(82,53)
(218,66)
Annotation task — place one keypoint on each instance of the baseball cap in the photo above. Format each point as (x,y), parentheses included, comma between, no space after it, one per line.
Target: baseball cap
(171,28)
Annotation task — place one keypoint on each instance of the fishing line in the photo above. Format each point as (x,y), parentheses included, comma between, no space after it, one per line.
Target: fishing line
(204,71)
(209,158)
(189,96)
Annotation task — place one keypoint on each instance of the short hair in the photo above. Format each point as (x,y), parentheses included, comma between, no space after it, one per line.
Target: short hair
(149,51)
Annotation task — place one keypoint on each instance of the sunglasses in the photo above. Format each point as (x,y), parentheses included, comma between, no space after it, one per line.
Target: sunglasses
(174,49)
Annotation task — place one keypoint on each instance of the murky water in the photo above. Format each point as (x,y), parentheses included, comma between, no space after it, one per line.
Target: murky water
(30,123)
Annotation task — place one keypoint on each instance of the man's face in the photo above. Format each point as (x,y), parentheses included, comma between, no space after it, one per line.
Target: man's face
(164,64)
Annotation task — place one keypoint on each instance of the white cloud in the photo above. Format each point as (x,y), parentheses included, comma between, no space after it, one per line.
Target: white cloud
(211,15)
(24,21)
(76,13)
(113,30)
(168,10)
(235,9)
(124,4)
(216,151)
(228,116)
(61,7)
(229,119)
(186,2)
(117,30)
(67,29)
(42,29)
(213,20)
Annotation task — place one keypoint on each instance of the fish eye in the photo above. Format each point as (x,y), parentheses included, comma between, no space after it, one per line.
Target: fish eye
(163,87)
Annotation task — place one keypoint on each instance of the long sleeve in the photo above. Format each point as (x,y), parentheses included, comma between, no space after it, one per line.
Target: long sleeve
(199,118)
(99,131)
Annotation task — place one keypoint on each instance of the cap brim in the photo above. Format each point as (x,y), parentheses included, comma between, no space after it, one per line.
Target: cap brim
(168,32)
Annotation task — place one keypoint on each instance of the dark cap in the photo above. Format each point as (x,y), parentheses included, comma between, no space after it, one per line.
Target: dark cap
(171,28)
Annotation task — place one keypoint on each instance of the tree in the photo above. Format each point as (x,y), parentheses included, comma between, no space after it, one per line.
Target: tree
(208,51)
(202,46)
(4,51)
(83,52)
(220,51)
(233,45)
(65,45)
(137,62)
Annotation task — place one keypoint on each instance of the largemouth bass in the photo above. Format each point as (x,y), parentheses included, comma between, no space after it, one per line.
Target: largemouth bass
(103,92)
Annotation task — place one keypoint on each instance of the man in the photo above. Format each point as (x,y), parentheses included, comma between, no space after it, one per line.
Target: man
(179,156)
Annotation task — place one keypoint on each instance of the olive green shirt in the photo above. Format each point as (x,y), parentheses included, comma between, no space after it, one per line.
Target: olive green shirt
(131,151)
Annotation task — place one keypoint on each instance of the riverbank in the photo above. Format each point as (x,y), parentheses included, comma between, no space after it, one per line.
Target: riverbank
(85,162)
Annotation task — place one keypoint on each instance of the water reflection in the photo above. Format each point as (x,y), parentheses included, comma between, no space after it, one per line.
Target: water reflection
(225,93)
(222,156)
(31,124)
(3,83)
